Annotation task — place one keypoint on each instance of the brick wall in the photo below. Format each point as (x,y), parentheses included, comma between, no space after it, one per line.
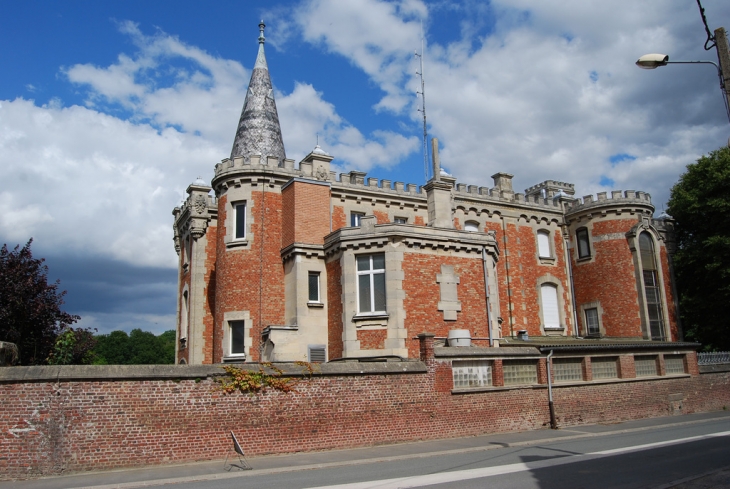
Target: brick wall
(334,309)
(248,279)
(422,294)
(305,217)
(609,278)
(209,307)
(66,419)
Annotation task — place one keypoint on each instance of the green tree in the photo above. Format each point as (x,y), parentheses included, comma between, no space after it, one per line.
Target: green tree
(136,348)
(30,307)
(700,203)
(73,347)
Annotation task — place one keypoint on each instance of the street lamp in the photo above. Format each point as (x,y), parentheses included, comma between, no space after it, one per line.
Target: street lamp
(655,60)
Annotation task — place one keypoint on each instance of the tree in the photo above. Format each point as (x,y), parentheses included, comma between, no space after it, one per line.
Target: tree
(700,203)
(30,307)
(73,347)
(137,348)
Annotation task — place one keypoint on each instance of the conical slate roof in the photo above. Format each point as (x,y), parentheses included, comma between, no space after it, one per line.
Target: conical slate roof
(258,129)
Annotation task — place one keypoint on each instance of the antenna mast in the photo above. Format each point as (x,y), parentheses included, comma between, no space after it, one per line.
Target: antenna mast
(422,110)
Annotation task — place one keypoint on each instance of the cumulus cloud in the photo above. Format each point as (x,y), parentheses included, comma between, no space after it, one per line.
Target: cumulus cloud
(541,89)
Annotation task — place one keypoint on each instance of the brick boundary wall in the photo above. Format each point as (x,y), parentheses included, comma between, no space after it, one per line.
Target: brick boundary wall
(80,418)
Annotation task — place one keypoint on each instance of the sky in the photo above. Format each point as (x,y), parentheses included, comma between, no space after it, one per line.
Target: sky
(109,110)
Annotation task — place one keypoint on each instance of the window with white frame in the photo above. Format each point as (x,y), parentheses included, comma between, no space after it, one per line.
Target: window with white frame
(237,338)
(400,220)
(472,373)
(583,243)
(313,281)
(371,283)
(355,218)
(239,211)
(592,325)
(543,244)
(550,309)
(471,226)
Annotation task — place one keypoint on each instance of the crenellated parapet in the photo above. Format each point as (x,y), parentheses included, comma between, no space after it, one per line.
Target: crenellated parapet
(619,202)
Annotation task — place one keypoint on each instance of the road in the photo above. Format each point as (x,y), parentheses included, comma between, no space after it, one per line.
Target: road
(656,454)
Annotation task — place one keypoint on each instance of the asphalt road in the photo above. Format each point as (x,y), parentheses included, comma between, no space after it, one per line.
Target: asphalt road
(662,453)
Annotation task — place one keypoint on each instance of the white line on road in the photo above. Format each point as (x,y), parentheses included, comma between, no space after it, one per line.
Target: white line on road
(446,477)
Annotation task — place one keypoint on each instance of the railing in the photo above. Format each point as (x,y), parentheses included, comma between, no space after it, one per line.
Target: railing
(713,357)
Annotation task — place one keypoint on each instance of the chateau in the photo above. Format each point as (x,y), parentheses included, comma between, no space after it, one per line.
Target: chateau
(293,262)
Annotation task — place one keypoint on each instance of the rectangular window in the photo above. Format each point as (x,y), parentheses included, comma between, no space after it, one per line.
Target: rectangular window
(401,220)
(543,244)
(471,374)
(645,366)
(604,367)
(550,310)
(371,283)
(314,287)
(237,337)
(355,219)
(519,372)
(240,217)
(592,326)
(567,369)
(584,247)
(674,364)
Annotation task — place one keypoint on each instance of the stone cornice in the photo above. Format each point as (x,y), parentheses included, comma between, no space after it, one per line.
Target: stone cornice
(305,249)
(414,237)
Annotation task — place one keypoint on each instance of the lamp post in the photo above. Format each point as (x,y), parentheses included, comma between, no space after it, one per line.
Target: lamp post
(653,61)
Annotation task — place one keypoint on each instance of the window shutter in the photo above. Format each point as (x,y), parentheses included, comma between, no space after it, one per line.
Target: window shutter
(550,312)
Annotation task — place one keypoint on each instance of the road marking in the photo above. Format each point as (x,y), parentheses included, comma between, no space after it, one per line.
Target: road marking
(446,477)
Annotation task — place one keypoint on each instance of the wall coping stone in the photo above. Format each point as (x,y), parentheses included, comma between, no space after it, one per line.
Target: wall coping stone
(58,373)
(456,352)
(712,369)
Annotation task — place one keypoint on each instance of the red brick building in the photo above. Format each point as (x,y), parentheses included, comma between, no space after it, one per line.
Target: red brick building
(285,261)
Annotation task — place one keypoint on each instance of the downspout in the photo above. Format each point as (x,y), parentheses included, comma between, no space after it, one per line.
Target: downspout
(509,285)
(486,295)
(553,423)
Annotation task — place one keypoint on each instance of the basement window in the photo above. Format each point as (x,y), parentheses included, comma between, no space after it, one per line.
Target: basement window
(471,374)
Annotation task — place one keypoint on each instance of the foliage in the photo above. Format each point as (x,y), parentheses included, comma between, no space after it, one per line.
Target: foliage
(700,203)
(137,348)
(30,307)
(259,381)
(73,347)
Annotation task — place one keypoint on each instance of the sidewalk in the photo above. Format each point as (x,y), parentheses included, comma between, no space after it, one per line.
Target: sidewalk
(189,472)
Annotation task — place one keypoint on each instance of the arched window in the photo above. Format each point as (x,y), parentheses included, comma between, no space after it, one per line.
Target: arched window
(471,226)
(550,309)
(184,317)
(543,244)
(652,291)
(583,243)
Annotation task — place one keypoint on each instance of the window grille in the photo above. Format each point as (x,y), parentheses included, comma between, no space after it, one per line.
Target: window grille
(604,367)
(567,369)
(674,364)
(645,366)
(519,372)
(472,374)
(317,354)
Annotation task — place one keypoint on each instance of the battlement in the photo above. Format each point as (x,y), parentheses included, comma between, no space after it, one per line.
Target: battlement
(550,188)
(629,198)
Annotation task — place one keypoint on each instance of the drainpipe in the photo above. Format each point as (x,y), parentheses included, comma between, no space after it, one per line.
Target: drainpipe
(553,423)
(486,294)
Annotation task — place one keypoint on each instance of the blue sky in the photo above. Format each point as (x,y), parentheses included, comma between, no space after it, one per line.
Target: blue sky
(108,110)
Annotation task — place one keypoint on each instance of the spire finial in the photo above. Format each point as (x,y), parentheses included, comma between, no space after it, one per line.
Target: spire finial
(262,26)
